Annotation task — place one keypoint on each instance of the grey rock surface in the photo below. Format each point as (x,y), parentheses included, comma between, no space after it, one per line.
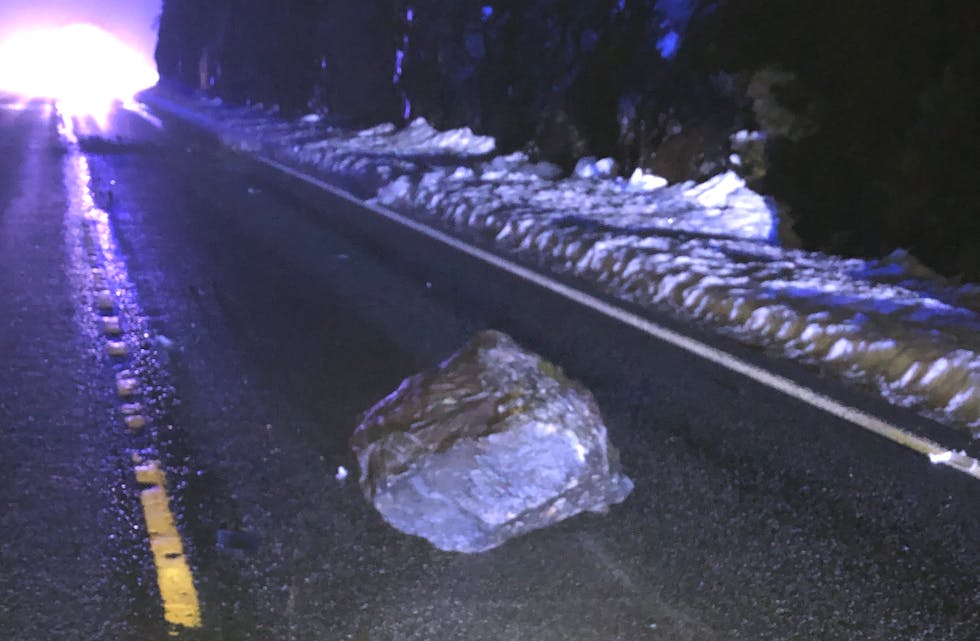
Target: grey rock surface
(493,443)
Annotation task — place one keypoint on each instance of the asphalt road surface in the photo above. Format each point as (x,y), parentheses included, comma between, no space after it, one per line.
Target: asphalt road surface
(259,317)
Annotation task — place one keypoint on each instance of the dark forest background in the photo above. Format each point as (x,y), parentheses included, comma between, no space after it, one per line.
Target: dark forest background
(870,107)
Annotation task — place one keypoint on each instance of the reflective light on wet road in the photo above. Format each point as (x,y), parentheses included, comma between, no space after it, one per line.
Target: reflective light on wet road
(111,311)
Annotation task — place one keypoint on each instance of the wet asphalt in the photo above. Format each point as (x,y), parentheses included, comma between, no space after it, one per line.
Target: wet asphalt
(268,315)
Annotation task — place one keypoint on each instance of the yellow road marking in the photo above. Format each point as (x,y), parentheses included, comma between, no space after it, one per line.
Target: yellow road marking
(126,386)
(174,578)
(103,299)
(134,421)
(128,409)
(117,348)
(111,325)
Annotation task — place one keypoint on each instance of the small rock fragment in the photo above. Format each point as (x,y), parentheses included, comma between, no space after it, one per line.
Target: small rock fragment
(237,541)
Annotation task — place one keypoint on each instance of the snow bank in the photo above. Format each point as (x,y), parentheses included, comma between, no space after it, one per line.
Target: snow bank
(701,250)
(912,336)
(512,185)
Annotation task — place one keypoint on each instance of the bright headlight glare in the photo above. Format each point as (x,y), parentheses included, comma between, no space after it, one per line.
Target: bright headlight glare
(82,66)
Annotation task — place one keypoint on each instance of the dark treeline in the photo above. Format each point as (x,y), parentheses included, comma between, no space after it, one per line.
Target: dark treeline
(870,106)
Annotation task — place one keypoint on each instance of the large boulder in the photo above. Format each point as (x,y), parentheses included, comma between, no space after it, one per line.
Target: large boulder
(493,443)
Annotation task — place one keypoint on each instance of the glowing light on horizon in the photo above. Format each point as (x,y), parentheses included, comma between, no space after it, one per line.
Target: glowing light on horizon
(85,68)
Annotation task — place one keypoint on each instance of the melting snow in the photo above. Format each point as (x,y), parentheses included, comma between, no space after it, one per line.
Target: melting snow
(703,250)
(646,182)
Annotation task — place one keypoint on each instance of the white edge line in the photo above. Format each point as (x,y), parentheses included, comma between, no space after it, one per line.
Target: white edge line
(934,451)
(138,108)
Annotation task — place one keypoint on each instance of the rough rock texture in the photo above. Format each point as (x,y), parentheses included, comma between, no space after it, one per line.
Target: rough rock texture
(493,443)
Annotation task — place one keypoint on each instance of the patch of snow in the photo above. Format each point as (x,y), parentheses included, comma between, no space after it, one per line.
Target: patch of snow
(641,181)
(421,138)
(745,136)
(384,129)
(589,167)
(716,191)
(668,45)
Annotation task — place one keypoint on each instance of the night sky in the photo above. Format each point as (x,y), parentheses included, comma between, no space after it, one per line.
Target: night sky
(132,21)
